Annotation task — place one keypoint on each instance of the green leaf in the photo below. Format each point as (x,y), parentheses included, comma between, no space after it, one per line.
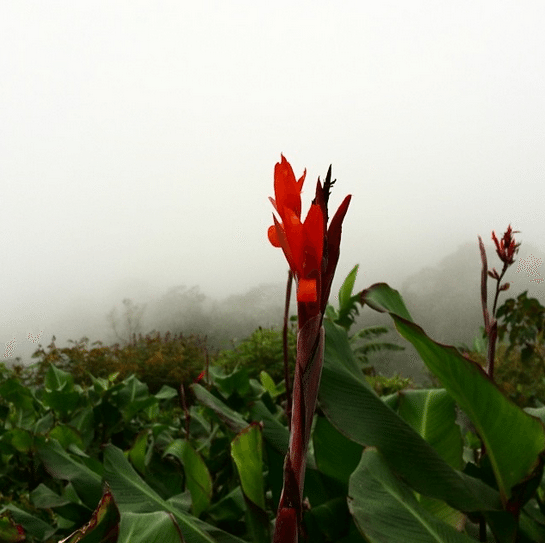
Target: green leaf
(198,479)
(230,507)
(166,393)
(66,436)
(44,424)
(62,401)
(62,465)
(247,452)
(274,432)
(357,412)
(134,397)
(43,497)
(133,495)
(84,422)
(133,390)
(330,519)
(138,452)
(380,296)
(238,381)
(345,292)
(231,418)
(103,526)
(59,380)
(14,392)
(432,413)
(181,501)
(492,414)
(19,439)
(532,523)
(385,509)
(268,384)
(538,412)
(348,304)
(369,333)
(148,527)
(33,525)
(9,531)
(336,456)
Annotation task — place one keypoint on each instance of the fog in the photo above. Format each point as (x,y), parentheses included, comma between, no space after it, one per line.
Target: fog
(138,142)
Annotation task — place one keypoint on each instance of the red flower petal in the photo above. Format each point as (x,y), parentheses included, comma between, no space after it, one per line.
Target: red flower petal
(286,189)
(273,236)
(306,290)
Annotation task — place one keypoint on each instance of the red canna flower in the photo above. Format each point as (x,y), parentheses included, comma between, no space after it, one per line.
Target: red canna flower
(506,248)
(302,242)
(306,244)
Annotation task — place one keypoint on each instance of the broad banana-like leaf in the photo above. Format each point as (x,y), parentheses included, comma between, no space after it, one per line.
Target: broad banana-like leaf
(132,494)
(513,439)
(432,413)
(247,453)
(357,412)
(385,508)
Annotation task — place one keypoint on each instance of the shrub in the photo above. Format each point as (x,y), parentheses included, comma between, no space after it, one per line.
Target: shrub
(156,360)
(262,351)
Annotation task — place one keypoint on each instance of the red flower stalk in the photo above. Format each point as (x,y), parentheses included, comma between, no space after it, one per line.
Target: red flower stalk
(312,252)
(506,248)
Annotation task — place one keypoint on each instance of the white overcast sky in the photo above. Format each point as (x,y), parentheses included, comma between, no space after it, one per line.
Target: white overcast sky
(138,139)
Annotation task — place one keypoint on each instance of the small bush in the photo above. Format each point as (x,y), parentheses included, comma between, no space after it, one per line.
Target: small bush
(262,351)
(156,360)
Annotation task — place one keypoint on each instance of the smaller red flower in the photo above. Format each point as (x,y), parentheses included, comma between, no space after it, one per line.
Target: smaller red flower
(506,248)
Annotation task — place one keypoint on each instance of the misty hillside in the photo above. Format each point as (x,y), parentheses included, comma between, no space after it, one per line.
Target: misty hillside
(444,299)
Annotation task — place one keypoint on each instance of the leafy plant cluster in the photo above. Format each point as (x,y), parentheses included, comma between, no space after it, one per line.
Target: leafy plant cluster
(263,350)
(52,441)
(520,357)
(157,360)
(523,325)
(110,460)
(67,433)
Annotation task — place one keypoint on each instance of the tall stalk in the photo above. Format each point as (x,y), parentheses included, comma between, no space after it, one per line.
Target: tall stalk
(312,252)
(506,249)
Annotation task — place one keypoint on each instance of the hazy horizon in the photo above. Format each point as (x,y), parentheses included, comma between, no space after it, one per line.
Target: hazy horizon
(139,140)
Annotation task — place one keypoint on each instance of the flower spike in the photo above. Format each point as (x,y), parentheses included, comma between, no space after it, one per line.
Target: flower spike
(506,248)
(312,252)
(306,244)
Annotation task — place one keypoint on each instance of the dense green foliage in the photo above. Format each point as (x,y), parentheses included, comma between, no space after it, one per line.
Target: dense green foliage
(520,356)
(206,460)
(156,359)
(262,351)
(58,416)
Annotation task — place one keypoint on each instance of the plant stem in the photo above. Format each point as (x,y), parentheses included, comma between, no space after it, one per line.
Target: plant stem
(285,346)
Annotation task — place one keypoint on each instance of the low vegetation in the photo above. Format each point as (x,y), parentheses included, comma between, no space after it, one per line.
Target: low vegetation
(160,419)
